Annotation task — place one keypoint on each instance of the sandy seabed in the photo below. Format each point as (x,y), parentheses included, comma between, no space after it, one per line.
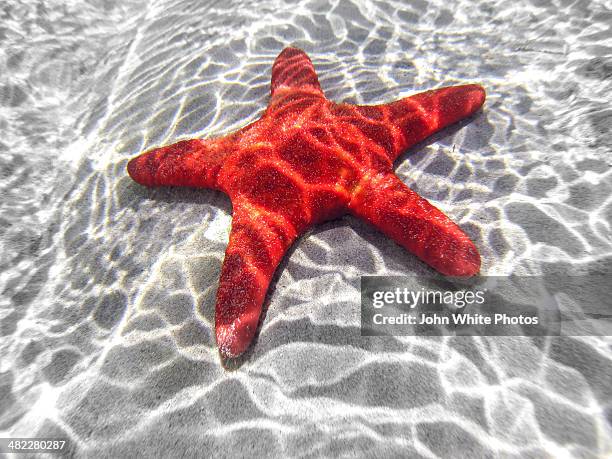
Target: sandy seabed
(107,288)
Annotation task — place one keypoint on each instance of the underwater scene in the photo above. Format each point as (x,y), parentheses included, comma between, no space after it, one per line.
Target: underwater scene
(194,195)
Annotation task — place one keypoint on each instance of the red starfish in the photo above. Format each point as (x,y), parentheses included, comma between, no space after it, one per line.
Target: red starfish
(305,161)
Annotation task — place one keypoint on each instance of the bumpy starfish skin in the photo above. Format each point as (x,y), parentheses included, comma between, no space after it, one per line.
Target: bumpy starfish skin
(305,161)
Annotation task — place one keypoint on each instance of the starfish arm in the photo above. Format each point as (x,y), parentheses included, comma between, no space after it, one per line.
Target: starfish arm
(414,118)
(293,69)
(388,204)
(193,163)
(257,243)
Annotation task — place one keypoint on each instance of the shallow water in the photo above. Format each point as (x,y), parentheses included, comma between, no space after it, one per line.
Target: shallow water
(108,288)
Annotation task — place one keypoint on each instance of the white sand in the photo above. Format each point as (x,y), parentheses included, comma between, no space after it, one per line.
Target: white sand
(108,288)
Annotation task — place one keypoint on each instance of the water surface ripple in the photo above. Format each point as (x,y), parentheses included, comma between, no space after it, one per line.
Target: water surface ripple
(107,288)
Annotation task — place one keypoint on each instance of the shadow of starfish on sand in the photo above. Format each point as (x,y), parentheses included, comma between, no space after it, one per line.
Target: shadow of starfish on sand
(308,160)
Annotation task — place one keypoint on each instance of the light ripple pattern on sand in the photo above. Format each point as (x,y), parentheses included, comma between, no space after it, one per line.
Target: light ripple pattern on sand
(108,289)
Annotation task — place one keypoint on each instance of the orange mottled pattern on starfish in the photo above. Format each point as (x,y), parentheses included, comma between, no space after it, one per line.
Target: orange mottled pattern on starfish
(305,161)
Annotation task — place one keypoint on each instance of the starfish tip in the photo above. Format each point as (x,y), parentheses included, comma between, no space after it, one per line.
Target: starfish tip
(135,170)
(465,263)
(464,100)
(233,339)
(290,50)
(478,95)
